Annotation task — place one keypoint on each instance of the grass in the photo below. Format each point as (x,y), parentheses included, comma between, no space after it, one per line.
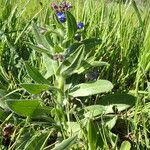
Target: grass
(124,30)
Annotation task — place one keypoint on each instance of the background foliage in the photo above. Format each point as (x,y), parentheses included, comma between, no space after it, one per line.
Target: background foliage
(113,120)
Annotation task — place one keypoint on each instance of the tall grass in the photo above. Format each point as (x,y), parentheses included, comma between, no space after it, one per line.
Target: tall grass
(122,28)
(125,33)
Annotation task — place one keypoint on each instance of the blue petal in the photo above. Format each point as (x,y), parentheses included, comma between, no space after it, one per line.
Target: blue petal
(80,25)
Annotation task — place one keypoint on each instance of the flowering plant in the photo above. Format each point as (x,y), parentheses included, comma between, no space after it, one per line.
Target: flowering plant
(68,58)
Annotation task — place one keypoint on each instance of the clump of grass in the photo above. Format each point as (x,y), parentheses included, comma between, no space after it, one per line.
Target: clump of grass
(124,30)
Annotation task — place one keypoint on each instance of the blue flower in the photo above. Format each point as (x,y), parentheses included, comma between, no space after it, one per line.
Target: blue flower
(80,25)
(61,16)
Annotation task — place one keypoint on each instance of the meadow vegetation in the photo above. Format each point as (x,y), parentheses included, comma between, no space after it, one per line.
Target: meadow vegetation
(77,78)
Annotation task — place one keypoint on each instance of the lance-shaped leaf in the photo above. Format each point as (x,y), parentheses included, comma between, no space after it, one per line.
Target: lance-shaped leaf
(30,108)
(41,39)
(71,25)
(111,123)
(73,48)
(5,94)
(38,88)
(35,74)
(117,102)
(75,63)
(35,88)
(91,88)
(91,43)
(40,49)
(50,65)
(92,135)
(66,144)
(88,43)
(86,65)
(94,110)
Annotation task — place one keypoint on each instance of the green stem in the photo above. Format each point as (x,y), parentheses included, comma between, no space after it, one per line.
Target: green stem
(61,82)
(59,103)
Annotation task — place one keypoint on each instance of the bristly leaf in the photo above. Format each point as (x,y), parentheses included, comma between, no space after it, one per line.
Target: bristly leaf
(35,74)
(66,144)
(41,39)
(87,64)
(35,88)
(71,25)
(91,43)
(38,88)
(94,111)
(40,49)
(75,64)
(28,108)
(91,88)
(121,101)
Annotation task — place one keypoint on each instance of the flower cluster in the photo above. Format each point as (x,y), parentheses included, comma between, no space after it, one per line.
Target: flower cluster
(60,9)
(61,6)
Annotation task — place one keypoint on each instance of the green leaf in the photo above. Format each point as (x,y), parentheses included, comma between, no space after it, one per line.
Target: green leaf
(73,47)
(31,141)
(91,43)
(3,115)
(71,55)
(94,110)
(126,145)
(111,123)
(77,128)
(75,63)
(71,25)
(36,142)
(85,65)
(24,138)
(41,39)
(121,101)
(58,49)
(92,135)
(91,88)
(35,74)
(73,127)
(88,43)
(2,102)
(5,94)
(66,144)
(35,88)
(31,108)
(40,49)
(50,65)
